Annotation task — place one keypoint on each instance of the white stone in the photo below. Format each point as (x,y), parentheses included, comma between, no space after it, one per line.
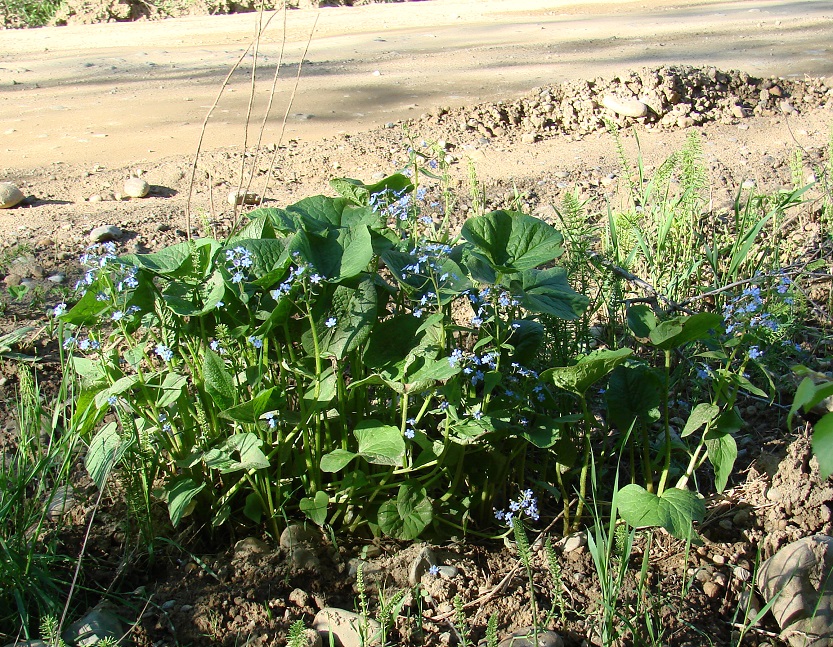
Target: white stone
(136,187)
(10,195)
(105,233)
(796,580)
(625,107)
(347,628)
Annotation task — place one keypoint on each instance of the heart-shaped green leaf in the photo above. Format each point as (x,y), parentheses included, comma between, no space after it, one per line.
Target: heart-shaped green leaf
(548,292)
(513,241)
(679,331)
(633,397)
(409,515)
(315,508)
(676,510)
(587,371)
(379,443)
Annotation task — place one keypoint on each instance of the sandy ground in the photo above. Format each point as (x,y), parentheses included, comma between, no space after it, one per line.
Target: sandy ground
(118,94)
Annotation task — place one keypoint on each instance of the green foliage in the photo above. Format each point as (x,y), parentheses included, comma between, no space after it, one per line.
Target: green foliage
(28,13)
(313,361)
(34,494)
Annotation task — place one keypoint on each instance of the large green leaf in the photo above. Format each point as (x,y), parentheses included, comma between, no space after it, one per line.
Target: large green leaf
(633,396)
(259,226)
(392,341)
(676,510)
(89,309)
(218,381)
(723,450)
(587,371)
(106,449)
(251,411)
(354,311)
(380,444)
(181,491)
(513,241)
(193,301)
(360,193)
(443,277)
(246,445)
(641,320)
(525,340)
(679,331)
(409,515)
(336,254)
(703,414)
(823,444)
(548,292)
(336,460)
(270,259)
(545,432)
(177,261)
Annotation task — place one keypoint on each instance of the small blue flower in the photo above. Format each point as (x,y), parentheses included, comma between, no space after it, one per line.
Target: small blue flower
(409,433)
(257,343)
(118,315)
(755,352)
(59,309)
(112,400)
(330,322)
(434,570)
(164,352)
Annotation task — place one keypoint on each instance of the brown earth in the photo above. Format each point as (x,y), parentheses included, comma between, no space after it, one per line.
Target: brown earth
(83,108)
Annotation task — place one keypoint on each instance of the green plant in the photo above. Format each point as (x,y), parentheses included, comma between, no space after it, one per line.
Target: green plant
(28,13)
(313,360)
(814,389)
(610,545)
(50,631)
(296,636)
(34,489)
(558,599)
(460,625)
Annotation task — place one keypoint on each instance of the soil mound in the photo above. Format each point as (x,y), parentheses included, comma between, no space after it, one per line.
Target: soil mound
(665,97)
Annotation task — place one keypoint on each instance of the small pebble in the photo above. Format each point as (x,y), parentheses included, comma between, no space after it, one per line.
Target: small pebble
(711,589)
(105,233)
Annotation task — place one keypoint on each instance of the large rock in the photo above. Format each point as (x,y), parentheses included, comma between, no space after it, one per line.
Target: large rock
(798,580)
(136,187)
(10,195)
(347,628)
(94,627)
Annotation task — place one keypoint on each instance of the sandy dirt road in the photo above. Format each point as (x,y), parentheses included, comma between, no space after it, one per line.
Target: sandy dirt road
(121,93)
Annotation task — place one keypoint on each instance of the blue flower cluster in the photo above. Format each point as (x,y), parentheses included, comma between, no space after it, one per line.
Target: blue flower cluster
(745,313)
(525,505)
(239,260)
(296,277)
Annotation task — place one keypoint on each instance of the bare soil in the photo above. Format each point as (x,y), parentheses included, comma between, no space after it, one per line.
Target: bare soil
(505,88)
